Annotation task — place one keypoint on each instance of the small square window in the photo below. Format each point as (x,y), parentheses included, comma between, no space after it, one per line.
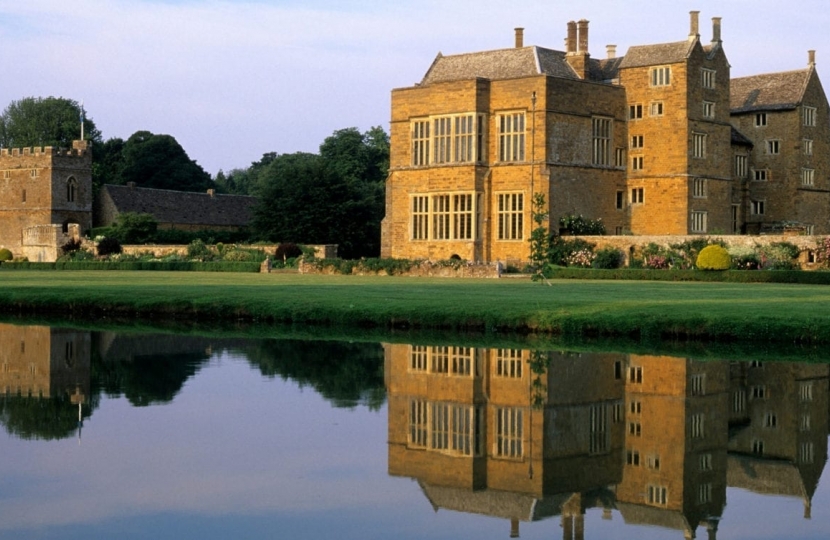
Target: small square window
(638,197)
(635,112)
(761,119)
(637,163)
(773,146)
(656,108)
(637,141)
(760,175)
(756,208)
(661,76)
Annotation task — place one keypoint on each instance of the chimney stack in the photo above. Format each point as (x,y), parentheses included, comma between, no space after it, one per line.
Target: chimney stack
(520,38)
(811,58)
(694,25)
(582,47)
(716,29)
(611,50)
(570,41)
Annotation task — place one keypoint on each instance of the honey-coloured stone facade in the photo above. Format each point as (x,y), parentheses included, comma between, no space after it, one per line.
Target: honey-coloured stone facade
(41,187)
(655,142)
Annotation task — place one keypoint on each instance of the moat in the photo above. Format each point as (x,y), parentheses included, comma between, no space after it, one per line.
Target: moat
(154,435)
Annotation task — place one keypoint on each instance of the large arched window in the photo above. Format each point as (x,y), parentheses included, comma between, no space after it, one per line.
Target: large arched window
(71,189)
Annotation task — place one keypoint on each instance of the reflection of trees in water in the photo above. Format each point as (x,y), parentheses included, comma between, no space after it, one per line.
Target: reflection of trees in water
(347,374)
(146,380)
(43,418)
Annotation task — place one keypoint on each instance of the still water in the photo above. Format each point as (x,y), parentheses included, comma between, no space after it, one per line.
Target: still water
(159,436)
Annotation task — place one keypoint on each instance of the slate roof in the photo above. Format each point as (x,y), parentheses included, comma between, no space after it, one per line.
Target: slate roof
(653,55)
(183,207)
(512,64)
(740,139)
(769,92)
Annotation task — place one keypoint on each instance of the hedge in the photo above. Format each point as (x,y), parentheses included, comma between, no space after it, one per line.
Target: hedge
(168,266)
(728,276)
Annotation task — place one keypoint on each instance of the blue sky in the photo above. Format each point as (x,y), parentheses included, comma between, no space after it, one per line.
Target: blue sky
(232,80)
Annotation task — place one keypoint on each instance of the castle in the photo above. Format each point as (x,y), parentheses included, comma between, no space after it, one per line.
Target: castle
(46,196)
(660,141)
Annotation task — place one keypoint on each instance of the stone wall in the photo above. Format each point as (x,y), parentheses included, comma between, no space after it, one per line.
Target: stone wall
(634,244)
(423,269)
(321,251)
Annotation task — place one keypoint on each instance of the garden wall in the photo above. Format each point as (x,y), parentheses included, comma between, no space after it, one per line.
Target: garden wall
(634,244)
(322,251)
(418,269)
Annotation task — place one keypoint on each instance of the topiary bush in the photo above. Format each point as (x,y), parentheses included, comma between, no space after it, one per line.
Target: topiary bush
(713,257)
(5,255)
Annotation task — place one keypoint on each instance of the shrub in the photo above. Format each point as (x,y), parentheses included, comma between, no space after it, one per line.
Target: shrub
(562,250)
(287,250)
(199,251)
(779,256)
(713,257)
(823,251)
(135,228)
(109,246)
(582,226)
(744,258)
(608,258)
(239,255)
(5,255)
(70,246)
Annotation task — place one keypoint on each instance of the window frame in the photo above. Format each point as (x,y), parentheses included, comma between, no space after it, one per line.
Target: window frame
(700,188)
(660,76)
(602,138)
(772,147)
(512,131)
(656,109)
(445,217)
(709,110)
(808,177)
(638,195)
(699,141)
(761,119)
(510,219)
(757,207)
(699,221)
(808,115)
(708,78)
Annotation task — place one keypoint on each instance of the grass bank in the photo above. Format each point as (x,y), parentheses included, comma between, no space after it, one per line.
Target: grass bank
(641,310)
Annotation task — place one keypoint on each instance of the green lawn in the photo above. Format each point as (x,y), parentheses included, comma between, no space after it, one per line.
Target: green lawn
(762,312)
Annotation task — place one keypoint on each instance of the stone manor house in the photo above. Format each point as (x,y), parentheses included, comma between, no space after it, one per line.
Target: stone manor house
(661,141)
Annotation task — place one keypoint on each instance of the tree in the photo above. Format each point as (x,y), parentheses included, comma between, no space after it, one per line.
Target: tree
(336,197)
(156,161)
(135,228)
(51,121)
(243,181)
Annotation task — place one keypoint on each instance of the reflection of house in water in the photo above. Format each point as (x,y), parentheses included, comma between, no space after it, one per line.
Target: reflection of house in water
(675,443)
(778,428)
(38,361)
(648,436)
(462,421)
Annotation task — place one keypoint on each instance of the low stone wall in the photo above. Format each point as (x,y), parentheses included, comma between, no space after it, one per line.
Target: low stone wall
(630,245)
(422,269)
(323,251)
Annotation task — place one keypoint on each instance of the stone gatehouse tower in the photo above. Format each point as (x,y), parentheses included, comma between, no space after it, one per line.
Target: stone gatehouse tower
(45,198)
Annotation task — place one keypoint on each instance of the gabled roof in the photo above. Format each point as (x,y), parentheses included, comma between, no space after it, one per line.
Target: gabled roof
(513,63)
(769,92)
(653,55)
(183,207)
(739,139)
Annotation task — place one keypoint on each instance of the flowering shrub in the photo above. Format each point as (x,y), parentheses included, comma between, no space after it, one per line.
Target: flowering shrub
(580,225)
(779,256)
(582,258)
(744,258)
(713,257)
(823,251)
(562,252)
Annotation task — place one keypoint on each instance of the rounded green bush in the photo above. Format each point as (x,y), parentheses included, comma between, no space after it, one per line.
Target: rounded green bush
(713,257)
(5,255)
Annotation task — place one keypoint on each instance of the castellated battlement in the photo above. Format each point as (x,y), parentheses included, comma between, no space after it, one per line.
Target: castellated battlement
(43,151)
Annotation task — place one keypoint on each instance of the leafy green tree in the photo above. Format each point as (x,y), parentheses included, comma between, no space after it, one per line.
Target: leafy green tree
(43,418)
(51,121)
(243,181)
(135,228)
(336,197)
(159,161)
(107,162)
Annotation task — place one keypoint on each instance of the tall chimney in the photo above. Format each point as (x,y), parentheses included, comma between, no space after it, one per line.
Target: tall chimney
(811,58)
(694,25)
(611,50)
(571,39)
(716,29)
(520,38)
(583,36)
